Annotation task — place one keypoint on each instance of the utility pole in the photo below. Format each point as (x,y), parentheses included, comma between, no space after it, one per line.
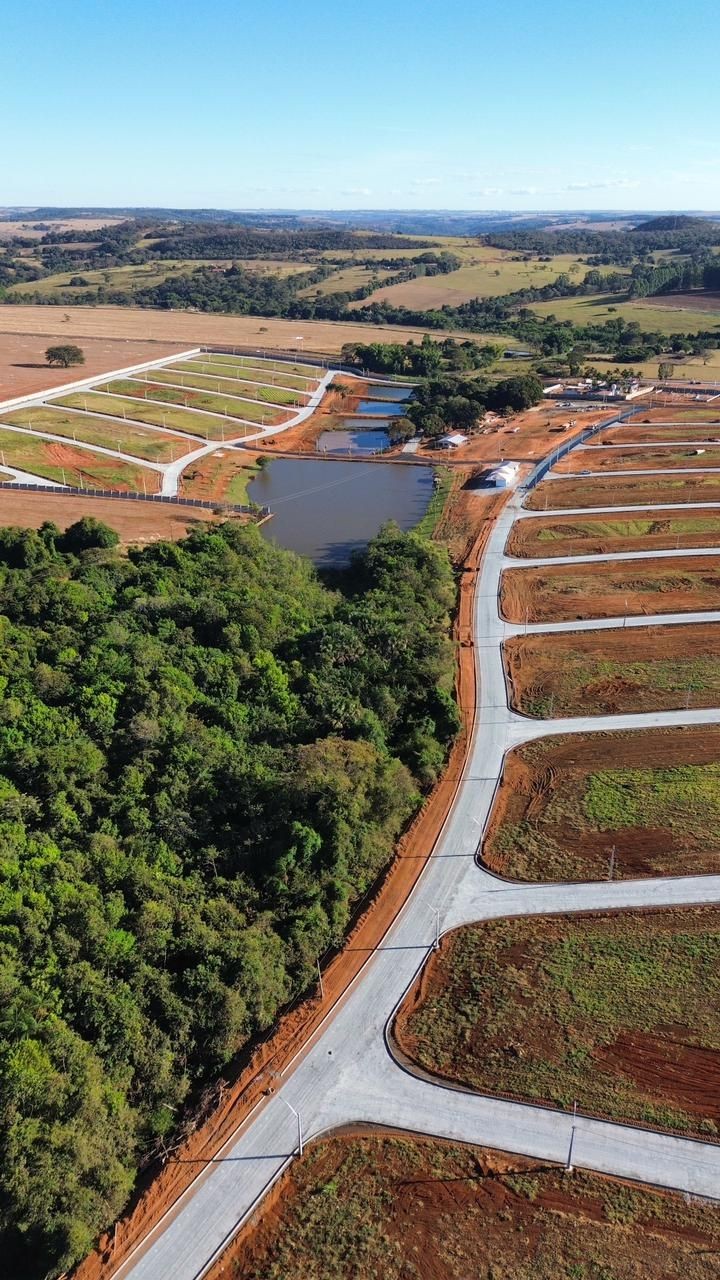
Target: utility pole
(611,869)
(436,942)
(296,1113)
(569,1164)
(320,980)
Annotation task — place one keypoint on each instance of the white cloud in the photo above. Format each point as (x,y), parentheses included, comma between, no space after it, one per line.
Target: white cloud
(357,191)
(426,182)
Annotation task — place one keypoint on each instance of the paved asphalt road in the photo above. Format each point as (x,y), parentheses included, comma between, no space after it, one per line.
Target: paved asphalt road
(349,1074)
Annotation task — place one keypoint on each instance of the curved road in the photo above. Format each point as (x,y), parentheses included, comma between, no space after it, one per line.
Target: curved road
(347,1072)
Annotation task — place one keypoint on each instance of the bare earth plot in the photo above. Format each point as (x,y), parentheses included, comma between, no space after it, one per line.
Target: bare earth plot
(189,329)
(614,671)
(397,1208)
(700,457)
(602,535)
(565,803)
(621,491)
(558,593)
(136,522)
(23,369)
(155,446)
(621,1013)
(642,433)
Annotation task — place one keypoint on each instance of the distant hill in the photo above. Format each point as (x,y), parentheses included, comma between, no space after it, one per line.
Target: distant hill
(674,222)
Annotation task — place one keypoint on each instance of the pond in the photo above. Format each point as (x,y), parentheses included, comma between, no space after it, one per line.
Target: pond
(380,406)
(351,441)
(326,510)
(386,392)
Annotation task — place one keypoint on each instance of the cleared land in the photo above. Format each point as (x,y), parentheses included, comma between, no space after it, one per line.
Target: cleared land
(596,309)
(616,491)
(190,398)
(659,432)
(601,535)
(222,476)
(621,1013)
(391,1207)
(154,446)
(136,522)
(66,464)
(190,328)
(145,274)
(565,803)
(260,362)
(22,359)
(346,280)
(226,386)
(198,424)
(648,459)
(560,593)
(614,671)
(35,228)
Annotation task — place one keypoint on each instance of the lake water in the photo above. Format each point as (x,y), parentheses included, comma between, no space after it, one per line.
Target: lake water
(386,392)
(381,406)
(326,510)
(351,440)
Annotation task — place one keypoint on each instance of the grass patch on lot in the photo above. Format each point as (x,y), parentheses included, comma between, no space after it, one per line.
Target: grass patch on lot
(488,274)
(565,804)
(612,672)
(123,437)
(599,535)
(699,457)
(621,1013)
(265,365)
(223,386)
(64,464)
(404,1209)
(176,419)
(247,374)
(191,398)
(622,491)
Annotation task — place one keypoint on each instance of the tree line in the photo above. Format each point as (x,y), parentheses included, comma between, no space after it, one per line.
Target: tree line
(206,756)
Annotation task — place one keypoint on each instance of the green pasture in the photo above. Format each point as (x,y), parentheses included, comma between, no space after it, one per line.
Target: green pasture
(177,419)
(124,437)
(223,386)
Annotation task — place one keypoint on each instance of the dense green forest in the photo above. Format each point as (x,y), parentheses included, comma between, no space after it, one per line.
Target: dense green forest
(206,756)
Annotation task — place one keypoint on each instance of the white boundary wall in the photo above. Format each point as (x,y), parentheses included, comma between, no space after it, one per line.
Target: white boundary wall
(85,384)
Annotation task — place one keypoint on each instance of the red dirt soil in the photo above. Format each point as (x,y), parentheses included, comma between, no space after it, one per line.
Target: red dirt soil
(648,459)
(136,522)
(538,667)
(22,357)
(566,593)
(461,1212)
(570,539)
(619,491)
(231,1101)
(534,773)
(643,433)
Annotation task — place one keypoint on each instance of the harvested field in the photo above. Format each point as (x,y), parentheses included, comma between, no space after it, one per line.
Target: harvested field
(66,464)
(223,386)
(136,522)
(601,535)
(193,329)
(176,419)
(375,1205)
(565,803)
(621,1012)
(701,457)
(660,432)
(191,398)
(623,491)
(599,308)
(22,358)
(247,374)
(564,593)
(615,671)
(152,445)
(696,300)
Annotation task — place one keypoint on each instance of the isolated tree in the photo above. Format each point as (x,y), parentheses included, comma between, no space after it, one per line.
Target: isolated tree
(666,369)
(65,355)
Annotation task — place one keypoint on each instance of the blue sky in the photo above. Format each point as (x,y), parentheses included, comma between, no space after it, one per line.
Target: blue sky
(389,103)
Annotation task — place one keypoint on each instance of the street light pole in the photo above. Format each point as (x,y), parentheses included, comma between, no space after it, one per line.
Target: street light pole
(296,1113)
